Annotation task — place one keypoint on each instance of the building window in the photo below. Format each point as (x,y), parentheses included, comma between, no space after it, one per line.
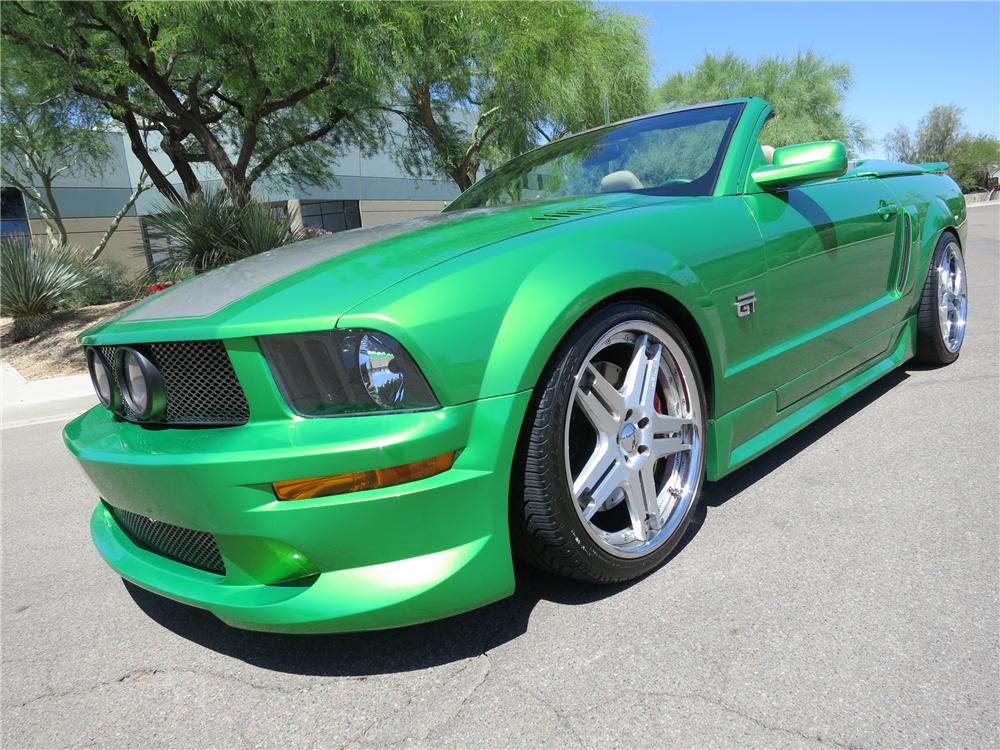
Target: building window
(333,216)
(13,216)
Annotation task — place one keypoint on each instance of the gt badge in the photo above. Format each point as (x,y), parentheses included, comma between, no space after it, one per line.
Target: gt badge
(746,304)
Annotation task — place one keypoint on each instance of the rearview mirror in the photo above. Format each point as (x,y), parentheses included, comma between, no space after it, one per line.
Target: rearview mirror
(802,162)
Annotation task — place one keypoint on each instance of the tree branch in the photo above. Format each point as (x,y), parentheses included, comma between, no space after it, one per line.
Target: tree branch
(137,139)
(124,103)
(538,129)
(23,10)
(264,164)
(141,187)
(55,230)
(269,108)
(234,103)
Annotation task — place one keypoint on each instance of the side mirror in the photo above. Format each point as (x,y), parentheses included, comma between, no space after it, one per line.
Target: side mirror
(803,162)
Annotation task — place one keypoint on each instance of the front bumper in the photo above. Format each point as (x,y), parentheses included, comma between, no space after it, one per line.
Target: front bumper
(366,560)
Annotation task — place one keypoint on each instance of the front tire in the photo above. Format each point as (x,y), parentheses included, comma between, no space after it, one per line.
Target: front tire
(944,305)
(613,452)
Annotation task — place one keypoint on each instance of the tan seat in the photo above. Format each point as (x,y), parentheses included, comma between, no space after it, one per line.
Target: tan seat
(768,153)
(621,180)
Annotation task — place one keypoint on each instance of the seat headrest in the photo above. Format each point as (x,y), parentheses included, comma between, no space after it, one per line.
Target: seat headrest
(620,180)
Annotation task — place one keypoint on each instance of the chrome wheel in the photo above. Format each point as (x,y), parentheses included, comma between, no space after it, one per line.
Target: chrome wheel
(633,440)
(953,304)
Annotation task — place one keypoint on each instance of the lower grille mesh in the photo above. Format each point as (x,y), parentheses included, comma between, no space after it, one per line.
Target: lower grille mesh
(195,548)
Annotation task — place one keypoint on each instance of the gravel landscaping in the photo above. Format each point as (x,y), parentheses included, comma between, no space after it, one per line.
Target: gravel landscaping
(55,351)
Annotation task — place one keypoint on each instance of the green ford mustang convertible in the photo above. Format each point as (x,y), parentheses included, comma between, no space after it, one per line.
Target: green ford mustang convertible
(362,431)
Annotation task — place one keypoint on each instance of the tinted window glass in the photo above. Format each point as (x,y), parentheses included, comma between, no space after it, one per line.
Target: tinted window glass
(677,153)
(13,216)
(333,216)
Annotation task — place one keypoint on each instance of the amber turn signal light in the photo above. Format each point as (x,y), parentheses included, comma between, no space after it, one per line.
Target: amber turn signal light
(302,489)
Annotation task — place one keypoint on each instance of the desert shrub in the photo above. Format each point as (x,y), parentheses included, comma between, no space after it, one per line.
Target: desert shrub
(215,229)
(164,274)
(310,232)
(177,274)
(35,282)
(104,282)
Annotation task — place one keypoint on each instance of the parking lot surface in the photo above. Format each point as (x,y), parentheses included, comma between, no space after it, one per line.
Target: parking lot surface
(841,591)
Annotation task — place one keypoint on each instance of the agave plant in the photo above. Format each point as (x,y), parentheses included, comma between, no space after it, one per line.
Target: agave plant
(36,280)
(215,229)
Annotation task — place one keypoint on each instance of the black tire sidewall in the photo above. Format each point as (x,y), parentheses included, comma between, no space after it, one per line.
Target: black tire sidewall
(557,386)
(931,347)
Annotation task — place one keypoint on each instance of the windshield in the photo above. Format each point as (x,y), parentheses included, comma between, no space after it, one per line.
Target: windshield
(677,153)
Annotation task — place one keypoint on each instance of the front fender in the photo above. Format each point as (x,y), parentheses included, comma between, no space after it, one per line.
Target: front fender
(564,287)
(485,324)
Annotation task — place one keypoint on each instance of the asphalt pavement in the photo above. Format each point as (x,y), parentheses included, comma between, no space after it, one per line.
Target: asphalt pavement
(842,591)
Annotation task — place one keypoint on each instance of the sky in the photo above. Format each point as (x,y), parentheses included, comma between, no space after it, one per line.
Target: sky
(905,57)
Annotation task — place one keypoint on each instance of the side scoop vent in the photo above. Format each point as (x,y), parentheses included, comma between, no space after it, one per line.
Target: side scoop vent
(567,213)
(904,261)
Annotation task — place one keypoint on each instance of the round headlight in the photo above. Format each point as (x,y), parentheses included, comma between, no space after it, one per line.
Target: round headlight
(135,384)
(380,370)
(103,379)
(142,384)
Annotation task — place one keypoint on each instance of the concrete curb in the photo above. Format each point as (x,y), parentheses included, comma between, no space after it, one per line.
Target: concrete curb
(25,402)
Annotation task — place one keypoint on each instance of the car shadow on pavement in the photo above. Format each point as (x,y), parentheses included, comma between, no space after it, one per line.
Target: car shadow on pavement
(474,633)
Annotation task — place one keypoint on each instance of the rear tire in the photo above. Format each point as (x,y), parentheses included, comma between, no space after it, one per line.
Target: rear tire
(612,454)
(943,311)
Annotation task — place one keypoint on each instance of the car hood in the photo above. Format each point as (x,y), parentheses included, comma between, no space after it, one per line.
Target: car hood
(309,284)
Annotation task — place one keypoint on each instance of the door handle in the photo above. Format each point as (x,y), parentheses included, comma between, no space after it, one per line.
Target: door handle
(887,210)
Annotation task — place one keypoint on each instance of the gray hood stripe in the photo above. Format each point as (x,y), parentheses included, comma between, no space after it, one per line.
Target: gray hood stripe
(210,292)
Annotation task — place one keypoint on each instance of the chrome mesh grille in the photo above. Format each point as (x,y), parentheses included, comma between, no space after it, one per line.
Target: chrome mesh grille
(195,548)
(202,388)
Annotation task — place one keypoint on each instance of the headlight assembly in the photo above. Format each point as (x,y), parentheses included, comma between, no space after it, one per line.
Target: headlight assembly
(346,372)
(103,379)
(143,389)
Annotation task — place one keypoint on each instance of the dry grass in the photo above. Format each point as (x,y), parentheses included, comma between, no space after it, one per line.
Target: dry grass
(55,351)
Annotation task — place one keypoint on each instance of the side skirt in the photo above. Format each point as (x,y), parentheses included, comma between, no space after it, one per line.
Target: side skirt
(747,432)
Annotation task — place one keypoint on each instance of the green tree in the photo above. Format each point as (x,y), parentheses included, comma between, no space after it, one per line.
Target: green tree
(44,134)
(609,61)
(248,88)
(939,132)
(973,160)
(806,91)
(936,135)
(900,145)
(49,133)
(941,136)
(483,81)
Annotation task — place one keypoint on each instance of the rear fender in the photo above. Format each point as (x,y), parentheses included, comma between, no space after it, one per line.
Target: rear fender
(937,205)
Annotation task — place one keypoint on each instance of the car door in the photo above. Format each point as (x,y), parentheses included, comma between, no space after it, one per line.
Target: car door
(829,253)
